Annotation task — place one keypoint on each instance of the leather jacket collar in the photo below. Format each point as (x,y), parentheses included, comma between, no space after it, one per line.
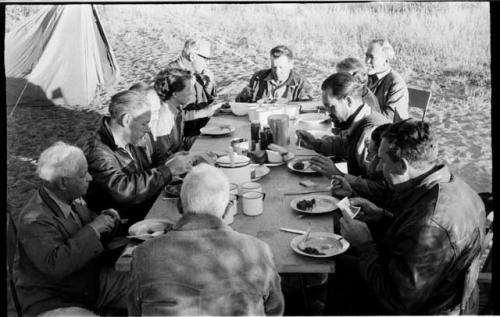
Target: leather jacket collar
(408,193)
(293,79)
(106,135)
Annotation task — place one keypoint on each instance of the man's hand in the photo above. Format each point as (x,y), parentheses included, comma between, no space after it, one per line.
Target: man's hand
(306,139)
(324,165)
(340,187)
(208,157)
(113,214)
(103,223)
(354,231)
(179,164)
(370,212)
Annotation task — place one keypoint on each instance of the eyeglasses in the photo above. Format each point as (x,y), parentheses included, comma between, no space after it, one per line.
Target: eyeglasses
(204,57)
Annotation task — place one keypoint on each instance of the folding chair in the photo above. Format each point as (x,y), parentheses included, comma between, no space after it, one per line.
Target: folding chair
(418,98)
(11,252)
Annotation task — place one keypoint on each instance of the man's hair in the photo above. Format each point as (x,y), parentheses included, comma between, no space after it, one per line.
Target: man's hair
(281,50)
(412,140)
(128,101)
(59,160)
(353,66)
(342,85)
(205,190)
(171,80)
(386,48)
(141,87)
(376,137)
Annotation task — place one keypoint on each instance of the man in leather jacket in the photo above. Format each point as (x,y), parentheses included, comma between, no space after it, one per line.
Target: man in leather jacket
(412,259)
(125,175)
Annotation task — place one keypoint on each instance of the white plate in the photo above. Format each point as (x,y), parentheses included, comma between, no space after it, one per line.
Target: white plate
(143,230)
(260,170)
(320,235)
(313,117)
(287,157)
(323,204)
(306,171)
(216,130)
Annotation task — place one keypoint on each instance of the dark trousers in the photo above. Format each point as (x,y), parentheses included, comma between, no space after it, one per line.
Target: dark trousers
(348,293)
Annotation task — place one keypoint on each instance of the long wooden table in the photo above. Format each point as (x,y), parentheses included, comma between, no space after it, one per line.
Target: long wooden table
(277,211)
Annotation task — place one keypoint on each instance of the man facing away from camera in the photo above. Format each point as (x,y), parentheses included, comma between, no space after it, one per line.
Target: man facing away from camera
(202,266)
(280,82)
(58,269)
(195,57)
(414,257)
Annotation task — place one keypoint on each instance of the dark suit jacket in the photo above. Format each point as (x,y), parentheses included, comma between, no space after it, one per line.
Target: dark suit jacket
(57,260)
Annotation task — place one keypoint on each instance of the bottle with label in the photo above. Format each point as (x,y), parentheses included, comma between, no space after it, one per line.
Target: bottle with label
(254,134)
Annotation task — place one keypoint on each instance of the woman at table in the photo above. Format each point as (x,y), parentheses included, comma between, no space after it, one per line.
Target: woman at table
(174,88)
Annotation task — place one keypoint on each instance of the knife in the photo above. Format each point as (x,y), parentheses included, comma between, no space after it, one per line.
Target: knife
(293,231)
(309,192)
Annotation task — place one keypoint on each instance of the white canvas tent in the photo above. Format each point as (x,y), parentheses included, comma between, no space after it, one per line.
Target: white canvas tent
(58,56)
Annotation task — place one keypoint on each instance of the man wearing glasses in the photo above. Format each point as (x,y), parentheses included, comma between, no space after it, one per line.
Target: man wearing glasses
(195,57)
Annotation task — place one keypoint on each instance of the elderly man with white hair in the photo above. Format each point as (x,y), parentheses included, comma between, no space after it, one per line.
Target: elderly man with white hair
(202,266)
(58,272)
(387,85)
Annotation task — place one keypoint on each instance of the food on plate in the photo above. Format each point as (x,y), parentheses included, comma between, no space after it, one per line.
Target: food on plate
(306,204)
(298,165)
(258,156)
(317,246)
(226,106)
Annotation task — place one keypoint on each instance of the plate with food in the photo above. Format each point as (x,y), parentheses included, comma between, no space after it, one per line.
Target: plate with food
(217,130)
(149,228)
(226,108)
(319,244)
(257,171)
(301,165)
(314,204)
(275,155)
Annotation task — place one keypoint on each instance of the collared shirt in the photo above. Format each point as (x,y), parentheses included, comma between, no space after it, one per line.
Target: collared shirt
(65,208)
(118,141)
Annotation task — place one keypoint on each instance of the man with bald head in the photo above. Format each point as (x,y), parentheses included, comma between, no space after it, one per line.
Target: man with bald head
(125,175)
(59,270)
(203,267)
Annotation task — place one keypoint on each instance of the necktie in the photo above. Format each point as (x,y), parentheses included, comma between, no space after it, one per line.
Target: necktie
(74,214)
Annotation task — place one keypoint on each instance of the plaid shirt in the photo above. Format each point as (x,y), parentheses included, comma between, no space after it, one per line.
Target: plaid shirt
(203,267)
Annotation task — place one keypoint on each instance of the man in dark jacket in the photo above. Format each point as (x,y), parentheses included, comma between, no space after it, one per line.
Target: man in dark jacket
(354,121)
(58,269)
(387,85)
(281,81)
(125,176)
(430,237)
(203,267)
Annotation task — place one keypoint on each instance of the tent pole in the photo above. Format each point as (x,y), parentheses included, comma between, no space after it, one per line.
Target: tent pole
(18,99)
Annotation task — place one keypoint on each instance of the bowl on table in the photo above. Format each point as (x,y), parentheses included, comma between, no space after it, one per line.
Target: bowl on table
(239,108)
